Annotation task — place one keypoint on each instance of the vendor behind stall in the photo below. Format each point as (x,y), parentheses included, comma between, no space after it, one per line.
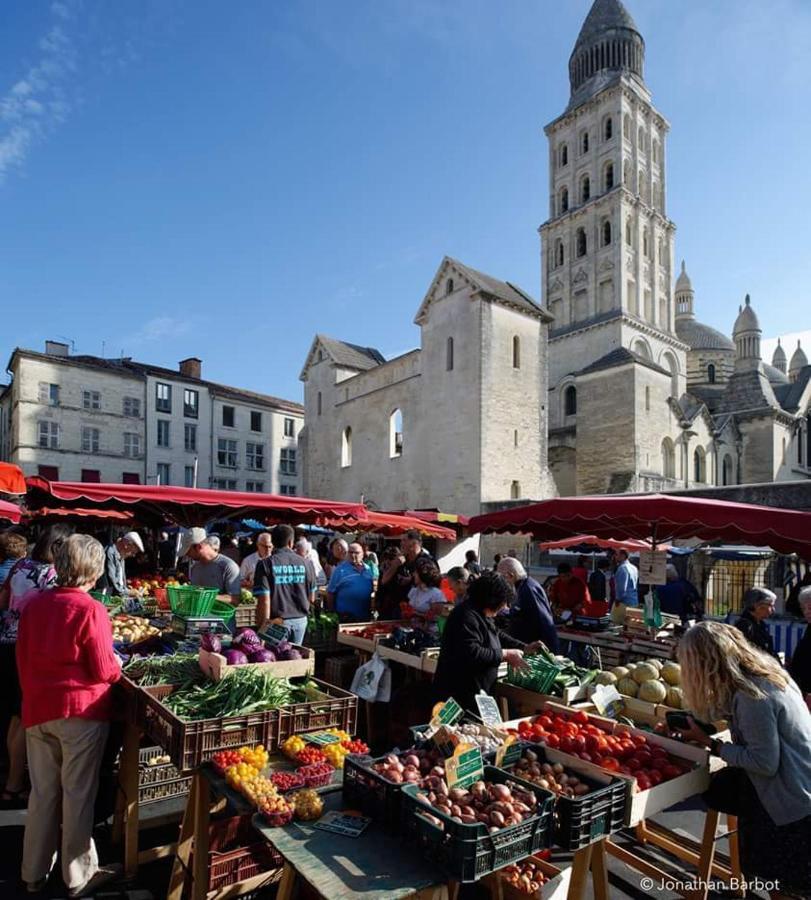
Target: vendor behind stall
(209,567)
(531,614)
(472,648)
(114,577)
(350,587)
(567,593)
(758,605)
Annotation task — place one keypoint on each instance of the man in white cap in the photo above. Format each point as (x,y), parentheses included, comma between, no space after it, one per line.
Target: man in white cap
(114,578)
(211,568)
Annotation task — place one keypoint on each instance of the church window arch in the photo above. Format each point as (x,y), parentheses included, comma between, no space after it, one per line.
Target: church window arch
(605,233)
(608,176)
(515,490)
(396,434)
(641,347)
(516,352)
(608,128)
(581,246)
(563,205)
(668,458)
(570,401)
(668,361)
(699,465)
(585,189)
(584,142)
(449,286)
(559,252)
(727,470)
(564,155)
(644,187)
(346,447)
(449,355)
(711,373)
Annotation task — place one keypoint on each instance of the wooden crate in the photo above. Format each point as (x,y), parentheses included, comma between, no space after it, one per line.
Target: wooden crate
(216,667)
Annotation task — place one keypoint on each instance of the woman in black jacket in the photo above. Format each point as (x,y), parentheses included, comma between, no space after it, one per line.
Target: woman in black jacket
(472,648)
(758,605)
(800,666)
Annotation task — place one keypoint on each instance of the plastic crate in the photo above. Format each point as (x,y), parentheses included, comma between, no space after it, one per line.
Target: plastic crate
(339,709)
(469,852)
(245,615)
(193,627)
(234,866)
(189,744)
(371,793)
(188,600)
(580,821)
(164,790)
(540,679)
(222,610)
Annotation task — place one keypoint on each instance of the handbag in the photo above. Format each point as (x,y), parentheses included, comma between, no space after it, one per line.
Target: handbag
(731,791)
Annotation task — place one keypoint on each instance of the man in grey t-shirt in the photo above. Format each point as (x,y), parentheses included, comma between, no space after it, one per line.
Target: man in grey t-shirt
(209,567)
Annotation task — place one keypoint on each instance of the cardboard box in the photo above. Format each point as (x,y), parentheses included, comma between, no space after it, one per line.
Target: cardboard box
(557,888)
(216,667)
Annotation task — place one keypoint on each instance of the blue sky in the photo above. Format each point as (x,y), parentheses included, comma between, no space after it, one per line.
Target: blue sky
(199,177)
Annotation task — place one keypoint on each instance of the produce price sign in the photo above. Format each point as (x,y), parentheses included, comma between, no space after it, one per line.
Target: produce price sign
(465,767)
(447,713)
(653,566)
(347,823)
(321,737)
(607,699)
(488,710)
(275,634)
(508,753)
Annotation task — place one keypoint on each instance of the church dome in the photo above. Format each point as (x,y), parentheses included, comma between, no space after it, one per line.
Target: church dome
(609,43)
(683,282)
(776,376)
(779,357)
(699,336)
(798,360)
(747,320)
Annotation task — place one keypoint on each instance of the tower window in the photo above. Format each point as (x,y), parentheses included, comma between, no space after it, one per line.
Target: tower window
(318,403)
(449,355)
(606,233)
(449,286)
(580,242)
(515,490)
(645,244)
(396,434)
(346,447)
(516,352)
(585,189)
(711,373)
(668,458)
(570,401)
(608,129)
(608,178)
(564,155)
(564,199)
(699,466)
(559,257)
(584,142)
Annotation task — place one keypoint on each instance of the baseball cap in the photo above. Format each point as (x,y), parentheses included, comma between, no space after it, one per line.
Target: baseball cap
(134,538)
(190,537)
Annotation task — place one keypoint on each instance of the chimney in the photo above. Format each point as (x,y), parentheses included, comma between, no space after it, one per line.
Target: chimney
(191,367)
(57,348)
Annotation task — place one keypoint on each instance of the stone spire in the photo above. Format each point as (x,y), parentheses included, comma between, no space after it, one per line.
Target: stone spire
(746,335)
(684,294)
(779,357)
(798,361)
(609,43)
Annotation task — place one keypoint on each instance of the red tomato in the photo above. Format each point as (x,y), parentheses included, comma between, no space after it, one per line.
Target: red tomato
(544,721)
(660,764)
(579,743)
(625,770)
(643,758)
(611,763)
(632,765)
(639,739)
(567,744)
(642,783)
(627,747)
(552,740)
(580,718)
(671,771)
(597,760)
(655,777)
(592,729)
(537,733)
(586,757)
(656,750)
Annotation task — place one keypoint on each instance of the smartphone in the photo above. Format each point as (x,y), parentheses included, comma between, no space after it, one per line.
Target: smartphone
(679,721)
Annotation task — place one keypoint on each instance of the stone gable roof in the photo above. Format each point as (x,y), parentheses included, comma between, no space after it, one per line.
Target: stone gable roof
(343,354)
(621,357)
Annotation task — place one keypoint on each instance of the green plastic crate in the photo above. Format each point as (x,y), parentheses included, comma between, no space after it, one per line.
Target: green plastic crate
(187,600)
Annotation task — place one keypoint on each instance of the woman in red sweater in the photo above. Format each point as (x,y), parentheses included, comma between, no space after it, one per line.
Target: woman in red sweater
(67,669)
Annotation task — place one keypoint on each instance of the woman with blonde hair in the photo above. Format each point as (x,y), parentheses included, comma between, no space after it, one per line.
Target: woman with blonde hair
(725,677)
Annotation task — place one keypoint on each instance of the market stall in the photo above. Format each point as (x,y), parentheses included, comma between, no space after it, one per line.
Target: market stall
(10,512)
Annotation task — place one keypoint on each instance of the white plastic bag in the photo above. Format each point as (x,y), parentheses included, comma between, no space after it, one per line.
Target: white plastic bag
(372,680)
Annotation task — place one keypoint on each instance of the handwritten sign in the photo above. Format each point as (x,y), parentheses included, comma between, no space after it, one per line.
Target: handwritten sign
(465,767)
(321,738)
(508,753)
(488,710)
(653,566)
(349,824)
(275,634)
(448,713)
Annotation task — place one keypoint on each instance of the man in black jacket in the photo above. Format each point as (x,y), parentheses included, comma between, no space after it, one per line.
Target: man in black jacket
(758,605)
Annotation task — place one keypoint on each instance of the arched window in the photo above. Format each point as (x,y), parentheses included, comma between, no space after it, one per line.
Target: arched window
(629,239)
(608,176)
(564,200)
(396,434)
(564,154)
(640,139)
(585,188)
(642,348)
(516,352)
(655,151)
(699,466)
(346,447)
(570,401)
(608,129)
(726,470)
(559,252)
(318,403)
(515,490)
(449,355)
(584,142)
(668,458)
(449,286)
(626,174)
(606,233)
(711,375)
(669,362)
(580,242)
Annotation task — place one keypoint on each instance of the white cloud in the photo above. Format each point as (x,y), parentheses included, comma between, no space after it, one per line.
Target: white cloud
(160,327)
(37,102)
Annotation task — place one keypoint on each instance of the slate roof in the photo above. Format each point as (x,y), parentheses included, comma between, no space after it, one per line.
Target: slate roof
(620,357)
(604,15)
(775,375)
(352,356)
(789,395)
(501,290)
(699,336)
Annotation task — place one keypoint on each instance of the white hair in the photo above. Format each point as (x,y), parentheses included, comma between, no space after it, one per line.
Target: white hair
(342,543)
(805,595)
(302,544)
(511,566)
(213,541)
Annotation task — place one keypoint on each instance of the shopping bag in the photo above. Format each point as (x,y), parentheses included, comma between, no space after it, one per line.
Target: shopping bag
(368,679)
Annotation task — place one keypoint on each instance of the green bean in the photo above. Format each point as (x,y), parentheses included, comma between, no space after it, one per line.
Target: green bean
(175,668)
(244,691)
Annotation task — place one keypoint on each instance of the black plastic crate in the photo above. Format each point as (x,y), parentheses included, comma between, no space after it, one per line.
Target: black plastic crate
(580,821)
(372,794)
(469,852)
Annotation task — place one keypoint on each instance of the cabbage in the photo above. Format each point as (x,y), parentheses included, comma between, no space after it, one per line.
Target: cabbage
(262,656)
(289,653)
(247,638)
(282,647)
(211,642)
(235,658)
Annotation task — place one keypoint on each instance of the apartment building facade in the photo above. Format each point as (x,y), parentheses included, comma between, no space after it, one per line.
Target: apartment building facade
(83,418)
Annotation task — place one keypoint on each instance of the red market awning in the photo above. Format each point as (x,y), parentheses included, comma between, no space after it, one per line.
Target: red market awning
(10,511)
(437,517)
(631,544)
(658,516)
(12,480)
(186,506)
(113,515)
(389,524)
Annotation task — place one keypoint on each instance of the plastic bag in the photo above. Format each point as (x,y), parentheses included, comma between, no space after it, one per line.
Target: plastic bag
(372,681)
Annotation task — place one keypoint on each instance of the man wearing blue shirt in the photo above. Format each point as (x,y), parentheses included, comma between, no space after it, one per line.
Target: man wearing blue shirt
(626,578)
(349,591)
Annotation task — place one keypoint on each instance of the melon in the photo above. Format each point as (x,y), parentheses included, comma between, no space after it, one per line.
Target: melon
(645,672)
(675,698)
(606,678)
(628,687)
(671,672)
(652,691)
(621,671)
(656,663)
